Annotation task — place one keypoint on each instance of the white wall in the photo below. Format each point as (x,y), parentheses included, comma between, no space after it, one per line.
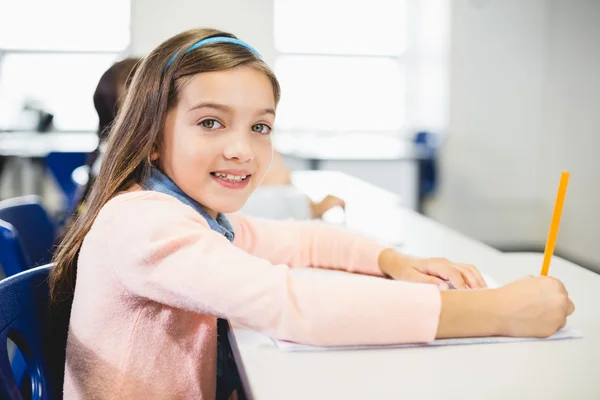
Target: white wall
(153,21)
(524,105)
(489,166)
(572,123)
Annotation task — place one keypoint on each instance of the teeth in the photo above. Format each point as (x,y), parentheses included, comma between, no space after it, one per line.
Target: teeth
(229,177)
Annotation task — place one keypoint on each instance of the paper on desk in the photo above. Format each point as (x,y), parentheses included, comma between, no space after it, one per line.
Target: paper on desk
(565,333)
(489,281)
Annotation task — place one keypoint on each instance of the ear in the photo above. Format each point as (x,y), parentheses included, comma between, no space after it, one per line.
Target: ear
(154,154)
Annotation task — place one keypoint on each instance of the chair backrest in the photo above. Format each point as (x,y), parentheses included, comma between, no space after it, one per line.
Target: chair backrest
(13,258)
(429,142)
(28,216)
(61,166)
(24,318)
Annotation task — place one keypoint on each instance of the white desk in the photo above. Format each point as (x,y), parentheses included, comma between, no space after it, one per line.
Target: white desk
(317,148)
(22,147)
(391,162)
(34,144)
(318,184)
(370,209)
(540,370)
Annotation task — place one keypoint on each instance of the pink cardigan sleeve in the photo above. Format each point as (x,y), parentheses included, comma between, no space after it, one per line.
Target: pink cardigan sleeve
(162,250)
(307,244)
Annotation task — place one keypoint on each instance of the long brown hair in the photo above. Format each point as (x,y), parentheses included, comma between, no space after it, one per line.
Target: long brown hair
(137,130)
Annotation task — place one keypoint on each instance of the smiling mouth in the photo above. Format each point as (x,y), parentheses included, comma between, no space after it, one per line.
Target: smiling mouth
(230,178)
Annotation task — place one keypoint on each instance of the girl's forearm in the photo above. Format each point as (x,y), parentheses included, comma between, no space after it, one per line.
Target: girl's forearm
(470,313)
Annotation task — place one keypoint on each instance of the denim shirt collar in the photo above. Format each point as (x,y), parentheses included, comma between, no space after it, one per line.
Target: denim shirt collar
(159,182)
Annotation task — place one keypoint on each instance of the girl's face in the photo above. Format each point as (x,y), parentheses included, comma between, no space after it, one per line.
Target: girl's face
(217,140)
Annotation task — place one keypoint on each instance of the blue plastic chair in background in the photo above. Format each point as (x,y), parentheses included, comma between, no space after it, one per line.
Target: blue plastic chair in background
(427,166)
(24,318)
(36,229)
(13,258)
(61,166)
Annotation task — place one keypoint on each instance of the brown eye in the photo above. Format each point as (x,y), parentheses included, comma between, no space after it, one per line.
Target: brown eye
(210,124)
(261,128)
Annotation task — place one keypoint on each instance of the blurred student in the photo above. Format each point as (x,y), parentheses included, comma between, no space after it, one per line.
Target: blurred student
(108,97)
(278,198)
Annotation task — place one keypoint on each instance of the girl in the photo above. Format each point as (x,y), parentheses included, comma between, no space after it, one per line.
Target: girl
(153,267)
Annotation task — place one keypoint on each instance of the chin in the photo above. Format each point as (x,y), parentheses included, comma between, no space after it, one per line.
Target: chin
(228,208)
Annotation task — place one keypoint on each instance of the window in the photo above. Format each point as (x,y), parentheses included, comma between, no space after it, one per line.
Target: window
(374,27)
(371,66)
(52,54)
(340,93)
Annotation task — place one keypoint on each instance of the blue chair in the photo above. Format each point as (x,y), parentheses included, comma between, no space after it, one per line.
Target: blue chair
(427,166)
(12,254)
(28,216)
(12,261)
(61,166)
(24,318)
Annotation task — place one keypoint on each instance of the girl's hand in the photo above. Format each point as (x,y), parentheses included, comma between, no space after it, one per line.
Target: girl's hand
(529,307)
(438,271)
(535,306)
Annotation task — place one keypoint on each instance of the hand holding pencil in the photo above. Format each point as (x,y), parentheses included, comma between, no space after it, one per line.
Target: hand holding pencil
(539,306)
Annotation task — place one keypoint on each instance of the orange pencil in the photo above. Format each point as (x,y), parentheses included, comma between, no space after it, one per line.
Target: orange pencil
(558,206)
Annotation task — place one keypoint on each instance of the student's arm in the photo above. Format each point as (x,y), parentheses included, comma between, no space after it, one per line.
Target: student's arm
(163,251)
(307,243)
(316,244)
(330,201)
(529,307)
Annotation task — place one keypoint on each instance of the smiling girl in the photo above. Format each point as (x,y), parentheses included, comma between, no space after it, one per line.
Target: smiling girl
(153,268)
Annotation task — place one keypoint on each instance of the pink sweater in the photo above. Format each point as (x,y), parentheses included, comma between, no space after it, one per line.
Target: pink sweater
(152,279)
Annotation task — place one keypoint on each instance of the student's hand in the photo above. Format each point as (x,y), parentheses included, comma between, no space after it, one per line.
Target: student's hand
(529,307)
(534,306)
(320,208)
(437,271)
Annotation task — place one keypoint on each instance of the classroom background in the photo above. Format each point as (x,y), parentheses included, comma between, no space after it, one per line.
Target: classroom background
(466,109)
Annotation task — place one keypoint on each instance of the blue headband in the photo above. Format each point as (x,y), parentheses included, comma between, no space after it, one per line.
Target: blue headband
(211,40)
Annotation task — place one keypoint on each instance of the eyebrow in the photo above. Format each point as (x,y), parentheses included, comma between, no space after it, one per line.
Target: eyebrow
(228,109)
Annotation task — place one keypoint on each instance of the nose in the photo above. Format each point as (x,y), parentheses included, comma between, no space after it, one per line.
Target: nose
(239,148)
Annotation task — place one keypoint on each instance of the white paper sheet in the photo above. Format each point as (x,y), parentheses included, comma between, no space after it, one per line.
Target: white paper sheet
(565,333)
